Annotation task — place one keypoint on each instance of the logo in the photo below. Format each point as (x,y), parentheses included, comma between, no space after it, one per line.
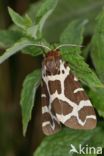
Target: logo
(85,149)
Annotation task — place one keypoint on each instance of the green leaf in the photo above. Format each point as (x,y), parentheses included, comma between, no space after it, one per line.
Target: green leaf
(22,22)
(9,37)
(32,50)
(23,43)
(97,98)
(82,70)
(35,50)
(73,34)
(30,85)
(69,10)
(45,10)
(86,51)
(33,9)
(60,143)
(97,47)
(27,20)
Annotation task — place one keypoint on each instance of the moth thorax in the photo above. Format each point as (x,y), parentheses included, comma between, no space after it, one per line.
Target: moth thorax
(52,62)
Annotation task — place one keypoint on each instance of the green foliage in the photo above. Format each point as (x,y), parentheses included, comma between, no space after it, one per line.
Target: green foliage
(44,12)
(69,10)
(97,98)
(30,36)
(82,70)
(73,34)
(59,144)
(30,85)
(9,37)
(32,50)
(21,22)
(97,55)
(25,23)
(22,43)
(97,47)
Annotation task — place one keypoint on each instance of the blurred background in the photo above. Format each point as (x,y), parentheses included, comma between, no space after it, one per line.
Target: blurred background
(14,70)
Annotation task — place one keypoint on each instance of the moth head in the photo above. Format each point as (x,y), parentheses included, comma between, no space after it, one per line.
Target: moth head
(52,62)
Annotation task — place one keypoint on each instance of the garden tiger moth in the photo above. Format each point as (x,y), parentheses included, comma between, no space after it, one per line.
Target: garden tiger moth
(63,99)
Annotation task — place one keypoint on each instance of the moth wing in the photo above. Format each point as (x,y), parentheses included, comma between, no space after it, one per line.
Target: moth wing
(50,123)
(73,107)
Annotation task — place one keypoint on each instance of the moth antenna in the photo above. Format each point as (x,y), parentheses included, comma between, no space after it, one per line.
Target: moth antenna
(40,45)
(70,45)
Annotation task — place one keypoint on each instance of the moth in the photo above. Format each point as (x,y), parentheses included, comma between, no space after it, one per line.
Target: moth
(64,101)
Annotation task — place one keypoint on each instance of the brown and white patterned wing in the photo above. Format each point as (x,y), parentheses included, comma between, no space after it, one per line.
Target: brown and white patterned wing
(50,123)
(72,106)
(63,98)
